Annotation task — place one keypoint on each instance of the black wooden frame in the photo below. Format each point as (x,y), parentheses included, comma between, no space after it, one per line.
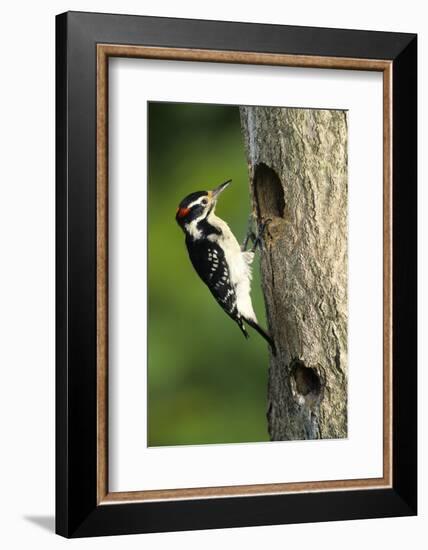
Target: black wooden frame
(77,512)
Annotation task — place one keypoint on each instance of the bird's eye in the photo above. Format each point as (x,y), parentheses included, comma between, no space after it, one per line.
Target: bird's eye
(204,202)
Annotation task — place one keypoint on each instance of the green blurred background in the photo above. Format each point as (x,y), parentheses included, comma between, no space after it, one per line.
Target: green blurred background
(206,383)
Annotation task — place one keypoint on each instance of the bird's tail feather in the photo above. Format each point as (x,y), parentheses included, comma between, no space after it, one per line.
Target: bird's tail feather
(262,333)
(242,327)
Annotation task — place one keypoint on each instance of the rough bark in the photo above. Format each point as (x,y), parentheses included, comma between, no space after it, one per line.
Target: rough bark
(298,179)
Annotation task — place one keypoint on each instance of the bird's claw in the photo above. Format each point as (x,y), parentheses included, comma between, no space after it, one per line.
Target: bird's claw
(250,236)
(257,240)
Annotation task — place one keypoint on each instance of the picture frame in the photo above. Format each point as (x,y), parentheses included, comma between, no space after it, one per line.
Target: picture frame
(84,44)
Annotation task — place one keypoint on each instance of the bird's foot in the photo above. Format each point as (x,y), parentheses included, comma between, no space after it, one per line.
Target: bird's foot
(258,242)
(250,236)
(256,239)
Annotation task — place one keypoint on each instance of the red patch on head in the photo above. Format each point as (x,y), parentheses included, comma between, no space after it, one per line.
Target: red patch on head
(182,212)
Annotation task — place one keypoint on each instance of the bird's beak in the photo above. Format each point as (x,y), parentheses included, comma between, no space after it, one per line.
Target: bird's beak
(216,192)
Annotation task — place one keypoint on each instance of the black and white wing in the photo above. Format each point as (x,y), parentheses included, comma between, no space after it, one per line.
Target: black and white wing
(209,262)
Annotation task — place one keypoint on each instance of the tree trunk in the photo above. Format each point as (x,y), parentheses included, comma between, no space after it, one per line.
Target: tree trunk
(298,179)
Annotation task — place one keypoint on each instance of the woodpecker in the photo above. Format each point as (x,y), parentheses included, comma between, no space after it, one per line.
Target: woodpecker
(217,257)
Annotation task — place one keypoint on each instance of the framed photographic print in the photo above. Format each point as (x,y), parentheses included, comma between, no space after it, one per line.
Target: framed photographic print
(236,274)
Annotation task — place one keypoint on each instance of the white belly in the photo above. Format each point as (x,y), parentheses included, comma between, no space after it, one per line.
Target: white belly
(239,266)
